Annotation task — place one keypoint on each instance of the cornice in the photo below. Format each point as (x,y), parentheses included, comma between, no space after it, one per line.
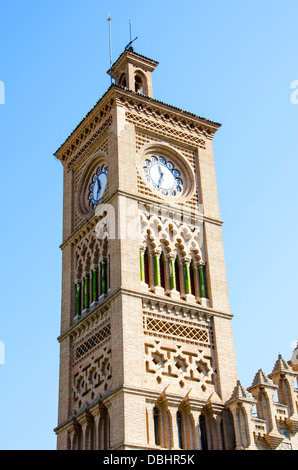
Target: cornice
(150,299)
(133,57)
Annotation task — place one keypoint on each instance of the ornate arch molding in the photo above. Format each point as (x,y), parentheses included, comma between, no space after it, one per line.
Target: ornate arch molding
(97,160)
(170,153)
(171,234)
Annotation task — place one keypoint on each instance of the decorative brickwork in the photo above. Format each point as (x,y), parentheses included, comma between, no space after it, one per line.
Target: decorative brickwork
(146,345)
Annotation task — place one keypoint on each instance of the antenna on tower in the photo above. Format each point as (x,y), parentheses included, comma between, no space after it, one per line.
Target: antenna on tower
(110,42)
(129,45)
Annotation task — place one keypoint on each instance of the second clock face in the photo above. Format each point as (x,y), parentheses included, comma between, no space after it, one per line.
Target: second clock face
(163,176)
(98,185)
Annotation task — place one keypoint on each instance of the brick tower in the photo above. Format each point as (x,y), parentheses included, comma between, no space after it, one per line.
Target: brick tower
(146,348)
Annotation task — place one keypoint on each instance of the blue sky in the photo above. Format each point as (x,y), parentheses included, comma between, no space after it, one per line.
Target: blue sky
(232,62)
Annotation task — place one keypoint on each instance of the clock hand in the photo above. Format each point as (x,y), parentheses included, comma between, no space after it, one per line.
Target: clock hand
(98,188)
(161,177)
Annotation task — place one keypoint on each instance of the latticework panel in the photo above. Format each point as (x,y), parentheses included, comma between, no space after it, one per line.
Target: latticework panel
(181,365)
(92,378)
(179,347)
(172,131)
(93,341)
(91,373)
(177,330)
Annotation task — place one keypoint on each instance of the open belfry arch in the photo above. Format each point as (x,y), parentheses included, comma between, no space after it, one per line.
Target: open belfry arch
(146,347)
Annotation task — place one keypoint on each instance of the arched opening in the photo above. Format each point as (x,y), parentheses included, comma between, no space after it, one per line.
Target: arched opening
(177,275)
(146,267)
(89,437)
(156,419)
(192,278)
(139,84)
(228,430)
(104,276)
(77,438)
(122,80)
(263,407)
(162,271)
(242,435)
(203,430)
(179,429)
(104,430)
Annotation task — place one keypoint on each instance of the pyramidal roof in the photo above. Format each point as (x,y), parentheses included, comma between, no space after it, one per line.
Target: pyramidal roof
(239,393)
(281,365)
(260,379)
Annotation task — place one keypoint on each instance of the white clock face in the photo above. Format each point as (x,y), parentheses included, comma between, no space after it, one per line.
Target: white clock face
(98,185)
(163,176)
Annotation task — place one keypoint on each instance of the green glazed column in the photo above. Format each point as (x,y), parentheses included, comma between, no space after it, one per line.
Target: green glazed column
(142,271)
(94,283)
(187,275)
(78,297)
(86,290)
(172,272)
(156,255)
(202,279)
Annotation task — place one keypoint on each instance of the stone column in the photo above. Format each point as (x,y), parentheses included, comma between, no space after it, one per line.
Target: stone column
(197,433)
(173,411)
(151,435)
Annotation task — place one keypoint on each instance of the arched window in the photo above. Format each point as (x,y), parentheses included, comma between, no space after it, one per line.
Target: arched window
(78,292)
(122,80)
(203,429)
(86,286)
(241,428)
(192,278)
(139,86)
(162,271)
(177,275)
(156,419)
(284,393)
(104,276)
(146,267)
(103,430)
(179,429)
(263,406)
(89,437)
(77,438)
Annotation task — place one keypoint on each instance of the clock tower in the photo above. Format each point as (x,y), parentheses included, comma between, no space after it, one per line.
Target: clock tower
(146,349)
